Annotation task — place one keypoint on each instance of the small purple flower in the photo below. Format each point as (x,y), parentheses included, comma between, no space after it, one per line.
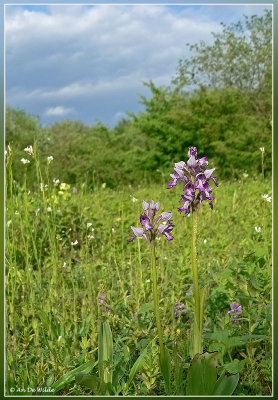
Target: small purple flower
(195,178)
(179,308)
(74,190)
(235,310)
(151,226)
(102,302)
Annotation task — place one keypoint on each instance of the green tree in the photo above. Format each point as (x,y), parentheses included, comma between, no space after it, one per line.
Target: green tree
(220,101)
(240,57)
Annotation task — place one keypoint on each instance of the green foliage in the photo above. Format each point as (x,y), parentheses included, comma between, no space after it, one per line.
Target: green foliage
(226,385)
(240,57)
(105,352)
(165,367)
(202,377)
(221,124)
(138,365)
(44,268)
(113,171)
(70,376)
(220,102)
(202,374)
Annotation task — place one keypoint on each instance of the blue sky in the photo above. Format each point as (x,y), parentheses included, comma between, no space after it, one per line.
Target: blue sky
(89,62)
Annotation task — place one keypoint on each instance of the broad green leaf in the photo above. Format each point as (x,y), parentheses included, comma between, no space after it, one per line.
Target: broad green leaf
(165,367)
(139,363)
(235,341)
(70,376)
(235,366)
(48,323)
(90,381)
(260,252)
(221,336)
(202,374)
(227,272)
(105,352)
(146,308)
(254,282)
(225,385)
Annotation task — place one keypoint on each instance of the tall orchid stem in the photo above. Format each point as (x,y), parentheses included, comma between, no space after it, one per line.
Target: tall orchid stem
(197,330)
(155,296)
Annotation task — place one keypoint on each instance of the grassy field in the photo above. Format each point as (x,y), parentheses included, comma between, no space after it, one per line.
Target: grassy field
(66,247)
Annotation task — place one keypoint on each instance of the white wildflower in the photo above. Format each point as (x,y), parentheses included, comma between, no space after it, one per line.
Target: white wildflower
(267,198)
(258,229)
(59,338)
(89,224)
(64,265)
(103,185)
(134,200)
(56,181)
(49,209)
(43,187)
(205,241)
(25,161)
(29,150)
(37,211)
(113,230)
(262,149)
(49,159)
(90,237)
(74,243)
(9,223)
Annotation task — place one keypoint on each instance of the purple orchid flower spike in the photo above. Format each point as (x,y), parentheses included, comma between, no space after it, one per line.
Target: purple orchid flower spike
(195,176)
(151,225)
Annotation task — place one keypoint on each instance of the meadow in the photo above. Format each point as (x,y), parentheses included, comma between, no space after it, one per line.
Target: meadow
(70,267)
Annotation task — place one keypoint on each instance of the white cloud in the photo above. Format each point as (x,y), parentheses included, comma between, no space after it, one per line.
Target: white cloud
(98,54)
(58,111)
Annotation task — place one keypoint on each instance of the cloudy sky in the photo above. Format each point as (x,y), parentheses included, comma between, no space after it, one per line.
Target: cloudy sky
(89,62)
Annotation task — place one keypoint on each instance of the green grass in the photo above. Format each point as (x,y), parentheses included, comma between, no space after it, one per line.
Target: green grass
(52,287)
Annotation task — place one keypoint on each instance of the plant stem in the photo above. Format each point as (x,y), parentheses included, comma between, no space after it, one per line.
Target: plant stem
(155,296)
(197,334)
(262,164)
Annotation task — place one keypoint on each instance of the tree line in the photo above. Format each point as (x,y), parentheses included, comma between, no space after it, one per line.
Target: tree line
(220,100)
